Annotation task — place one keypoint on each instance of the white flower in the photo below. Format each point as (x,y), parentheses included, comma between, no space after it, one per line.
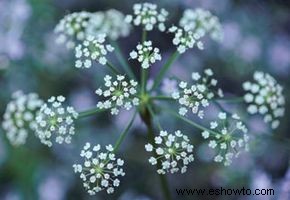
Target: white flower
(147,15)
(92,49)
(19,116)
(185,40)
(72,28)
(172,150)
(265,96)
(110,22)
(228,137)
(201,22)
(54,122)
(197,96)
(118,93)
(99,171)
(146,54)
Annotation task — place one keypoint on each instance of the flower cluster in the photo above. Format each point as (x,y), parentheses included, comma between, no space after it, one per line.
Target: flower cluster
(119,93)
(146,54)
(71,28)
(172,150)
(110,22)
(147,15)
(228,136)
(185,40)
(19,117)
(265,97)
(92,49)
(201,22)
(99,171)
(197,95)
(55,122)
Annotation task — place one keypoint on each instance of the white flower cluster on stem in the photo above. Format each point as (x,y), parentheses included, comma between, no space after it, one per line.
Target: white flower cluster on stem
(146,54)
(118,93)
(265,97)
(173,151)
(72,28)
(55,122)
(110,22)
(92,49)
(228,137)
(19,117)
(100,170)
(197,96)
(147,15)
(201,22)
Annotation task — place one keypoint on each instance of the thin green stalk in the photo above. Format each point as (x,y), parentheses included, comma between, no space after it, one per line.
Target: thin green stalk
(124,133)
(164,69)
(196,125)
(89,112)
(112,68)
(154,117)
(144,35)
(144,74)
(122,60)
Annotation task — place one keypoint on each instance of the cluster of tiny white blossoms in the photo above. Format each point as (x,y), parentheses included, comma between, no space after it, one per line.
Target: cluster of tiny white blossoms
(99,171)
(146,54)
(265,97)
(72,28)
(148,16)
(185,40)
(92,49)
(19,117)
(110,22)
(54,122)
(196,96)
(119,93)
(228,137)
(173,151)
(201,22)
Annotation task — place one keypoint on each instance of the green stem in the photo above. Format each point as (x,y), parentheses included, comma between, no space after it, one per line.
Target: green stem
(144,74)
(89,112)
(150,109)
(122,60)
(196,125)
(146,117)
(164,69)
(124,133)
(144,35)
(112,68)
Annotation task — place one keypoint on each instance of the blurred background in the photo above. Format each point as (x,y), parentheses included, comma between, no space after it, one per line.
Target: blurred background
(257,37)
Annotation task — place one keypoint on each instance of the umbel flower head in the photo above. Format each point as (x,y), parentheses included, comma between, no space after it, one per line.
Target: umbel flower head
(185,40)
(55,122)
(265,97)
(228,137)
(173,151)
(118,93)
(201,22)
(19,117)
(92,49)
(72,28)
(196,96)
(147,15)
(146,54)
(110,22)
(99,171)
